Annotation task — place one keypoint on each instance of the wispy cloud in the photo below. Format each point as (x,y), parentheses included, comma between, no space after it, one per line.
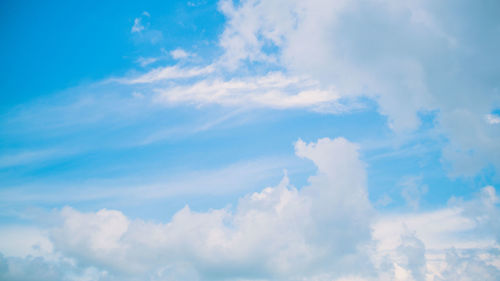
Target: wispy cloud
(167,73)
(146,61)
(273,91)
(234,178)
(137,27)
(142,32)
(29,157)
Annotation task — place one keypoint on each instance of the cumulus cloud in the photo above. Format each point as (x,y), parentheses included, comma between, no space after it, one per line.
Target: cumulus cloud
(411,58)
(41,269)
(412,251)
(467,267)
(326,230)
(436,245)
(28,269)
(280,232)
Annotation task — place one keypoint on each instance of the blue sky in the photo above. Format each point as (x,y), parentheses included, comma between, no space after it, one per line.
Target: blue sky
(178,140)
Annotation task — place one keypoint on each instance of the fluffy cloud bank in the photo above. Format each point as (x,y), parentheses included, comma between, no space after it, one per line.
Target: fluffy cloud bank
(278,233)
(326,230)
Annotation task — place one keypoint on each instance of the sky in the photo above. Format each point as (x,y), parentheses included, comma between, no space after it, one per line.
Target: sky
(250,140)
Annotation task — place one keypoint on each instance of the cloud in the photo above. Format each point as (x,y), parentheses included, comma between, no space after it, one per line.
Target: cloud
(146,61)
(235,178)
(492,119)
(384,200)
(273,90)
(412,250)
(167,73)
(459,238)
(41,269)
(412,58)
(402,68)
(179,54)
(360,62)
(412,191)
(29,157)
(467,267)
(141,30)
(326,230)
(28,269)
(137,27)
(278,233)
(24,241)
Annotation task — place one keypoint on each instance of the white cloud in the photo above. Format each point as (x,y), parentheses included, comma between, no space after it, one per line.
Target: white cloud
(274,90)
(280,232)
(461,237)
(403,55)
(40,269)
(467,267)
(146,61)
(492,119)
(323,231)
(142,32)
(166,73)
(314,38)
(384,200)
(23,241)
(412,191)
(27,157)
(410,57)
(235,178)
(179,54)
(137,27)
(412,252)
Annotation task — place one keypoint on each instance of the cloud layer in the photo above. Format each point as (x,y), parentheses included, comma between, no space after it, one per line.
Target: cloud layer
(326,230)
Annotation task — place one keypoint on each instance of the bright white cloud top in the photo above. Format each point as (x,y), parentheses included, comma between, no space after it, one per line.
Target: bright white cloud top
(392,109)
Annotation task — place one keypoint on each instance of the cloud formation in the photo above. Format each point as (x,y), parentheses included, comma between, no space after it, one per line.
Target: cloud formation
(280,232)
(273,90)
(415,60)
(412,58)
(326,230)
